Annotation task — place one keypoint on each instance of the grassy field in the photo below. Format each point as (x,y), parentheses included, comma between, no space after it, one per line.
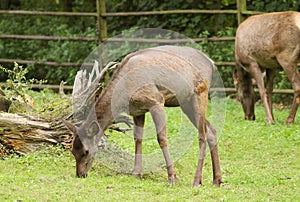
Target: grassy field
(258,162)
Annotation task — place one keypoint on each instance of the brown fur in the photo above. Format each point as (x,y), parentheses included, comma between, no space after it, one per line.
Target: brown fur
(148,80)
(268,41)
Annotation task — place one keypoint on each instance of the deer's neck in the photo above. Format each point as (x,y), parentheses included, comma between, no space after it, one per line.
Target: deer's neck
(103,107)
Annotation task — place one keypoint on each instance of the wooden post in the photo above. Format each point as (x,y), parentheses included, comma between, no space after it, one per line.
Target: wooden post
(101,19)
(241,7)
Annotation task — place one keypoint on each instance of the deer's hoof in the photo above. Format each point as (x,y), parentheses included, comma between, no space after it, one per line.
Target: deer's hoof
(217,182)
(289,121)
(137,175)
(197,182)
(172,179)
(250,117)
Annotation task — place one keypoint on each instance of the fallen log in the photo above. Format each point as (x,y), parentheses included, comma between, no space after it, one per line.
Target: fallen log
(25,133)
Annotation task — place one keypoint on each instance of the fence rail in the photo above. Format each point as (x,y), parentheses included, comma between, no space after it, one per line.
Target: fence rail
(59,38)
(169,12)
(55,64)
(51,13)
(167,41)
(48,38)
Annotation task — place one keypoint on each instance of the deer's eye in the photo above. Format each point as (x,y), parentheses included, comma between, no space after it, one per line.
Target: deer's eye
(85,153)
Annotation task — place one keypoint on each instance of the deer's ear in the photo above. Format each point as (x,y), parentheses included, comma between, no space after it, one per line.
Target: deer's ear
(93,129)
(70,126)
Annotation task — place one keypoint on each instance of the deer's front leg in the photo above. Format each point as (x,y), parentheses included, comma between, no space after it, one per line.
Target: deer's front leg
(138,137)
(158,116)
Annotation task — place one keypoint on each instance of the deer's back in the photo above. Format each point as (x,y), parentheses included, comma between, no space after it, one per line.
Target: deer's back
(165,74)
(261,37)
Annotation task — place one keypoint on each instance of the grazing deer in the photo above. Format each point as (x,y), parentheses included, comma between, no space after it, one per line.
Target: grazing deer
(268,41)
(147,81)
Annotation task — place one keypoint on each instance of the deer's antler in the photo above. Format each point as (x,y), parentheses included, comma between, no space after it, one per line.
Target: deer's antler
(86,84)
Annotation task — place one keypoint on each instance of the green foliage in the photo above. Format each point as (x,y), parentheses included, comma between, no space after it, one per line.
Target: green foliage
(50,105)
(17,84)
(40,50)
(258,162)
(272,6)
(18,91)
(221,51)
(190,25)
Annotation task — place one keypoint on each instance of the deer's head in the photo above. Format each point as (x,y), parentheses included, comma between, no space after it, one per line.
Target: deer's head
(85,143)
(246,95)
(86,130)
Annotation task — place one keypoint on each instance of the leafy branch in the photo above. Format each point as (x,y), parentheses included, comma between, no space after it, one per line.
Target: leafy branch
(17,84)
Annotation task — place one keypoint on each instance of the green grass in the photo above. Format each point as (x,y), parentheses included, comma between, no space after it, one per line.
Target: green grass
(258,162)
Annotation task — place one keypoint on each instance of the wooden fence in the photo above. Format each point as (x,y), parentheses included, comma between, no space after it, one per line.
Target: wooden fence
(101,15)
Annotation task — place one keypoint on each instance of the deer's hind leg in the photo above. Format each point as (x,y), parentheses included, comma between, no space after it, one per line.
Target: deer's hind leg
(200,106)
(288,61)
(138,138)
(159,119)
(213,146)
(189,109)
(255,71)
(195,109)
(270,74)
